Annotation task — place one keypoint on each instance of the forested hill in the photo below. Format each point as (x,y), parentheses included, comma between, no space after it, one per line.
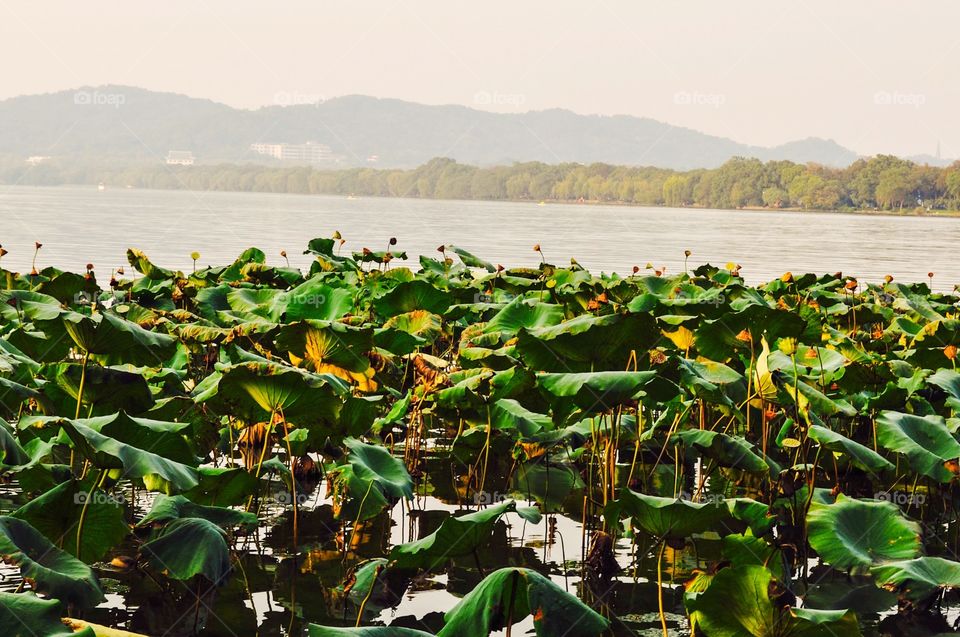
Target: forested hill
(119,122)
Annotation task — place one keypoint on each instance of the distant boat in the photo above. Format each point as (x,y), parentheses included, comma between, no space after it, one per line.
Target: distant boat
(542,203)
(101,186)
(351,197)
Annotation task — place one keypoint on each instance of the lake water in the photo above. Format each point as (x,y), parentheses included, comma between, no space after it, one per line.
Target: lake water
(79,225)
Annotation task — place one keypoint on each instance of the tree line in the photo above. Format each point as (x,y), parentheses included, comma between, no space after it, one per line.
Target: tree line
(883,182)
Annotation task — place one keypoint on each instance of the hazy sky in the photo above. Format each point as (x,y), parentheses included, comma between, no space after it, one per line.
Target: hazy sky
(877,76)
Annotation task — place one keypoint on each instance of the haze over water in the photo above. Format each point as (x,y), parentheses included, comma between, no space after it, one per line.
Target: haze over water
(79,225)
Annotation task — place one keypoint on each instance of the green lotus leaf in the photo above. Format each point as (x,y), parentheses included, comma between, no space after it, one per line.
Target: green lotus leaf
(508,414)
(250,303)
(19,305)
(856,534)
(717,339)
(587,342)
(725,450)
(471,260)
(596,391)
(13,395)
(190,546)
(50,570)
(380,256)
(369,479)
(811,399)
(167,439)
(410,296)
(549,483)
(254,391)
(26,615)
(860,455)
(918,578)
(326,259)
(515,593)
(420,323)
(862,595)
(714,382)
(222,486)
(141,263)
(11,453)
(457,536)
(949,381)
(667,517)
(327,347)
(924,440)
(521,313)
(105,390)
(105,452)
(737,604)
(168,508)
(112,339)
(15,364)
(397,413)
(57,513)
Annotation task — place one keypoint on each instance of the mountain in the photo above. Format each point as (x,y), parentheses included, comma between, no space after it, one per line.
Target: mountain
(931,160)
(121,122)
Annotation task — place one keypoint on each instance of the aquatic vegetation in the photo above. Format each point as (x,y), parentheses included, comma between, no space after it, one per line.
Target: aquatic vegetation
(769,460)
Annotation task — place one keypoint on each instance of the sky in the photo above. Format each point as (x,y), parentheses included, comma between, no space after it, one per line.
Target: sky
(877,76)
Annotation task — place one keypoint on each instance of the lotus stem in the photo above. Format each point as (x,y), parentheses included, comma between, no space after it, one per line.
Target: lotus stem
(486,451)
(513,595)
(663,618)
(86,505)
(263,453)
(376,573)
(83,381)
(293,481)
(356,523)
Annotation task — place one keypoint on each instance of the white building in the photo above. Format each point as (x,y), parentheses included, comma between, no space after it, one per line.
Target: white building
(180,158)
(309,153)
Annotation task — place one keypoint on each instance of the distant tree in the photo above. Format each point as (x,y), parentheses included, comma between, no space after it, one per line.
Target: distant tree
(674,190)
(893,187)
(775,197)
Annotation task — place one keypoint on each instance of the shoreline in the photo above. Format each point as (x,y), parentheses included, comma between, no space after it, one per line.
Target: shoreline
(942,214)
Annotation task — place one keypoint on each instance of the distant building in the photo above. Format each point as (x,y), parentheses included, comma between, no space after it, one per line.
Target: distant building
(309,153)
(37,159)
(180,158)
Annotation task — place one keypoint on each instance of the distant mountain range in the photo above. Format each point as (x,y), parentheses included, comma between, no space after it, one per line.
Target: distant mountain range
(127,123)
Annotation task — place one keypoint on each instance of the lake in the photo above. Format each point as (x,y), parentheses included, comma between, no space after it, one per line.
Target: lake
(79,225)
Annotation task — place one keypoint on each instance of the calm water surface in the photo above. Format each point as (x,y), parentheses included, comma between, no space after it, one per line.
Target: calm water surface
(80,225)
